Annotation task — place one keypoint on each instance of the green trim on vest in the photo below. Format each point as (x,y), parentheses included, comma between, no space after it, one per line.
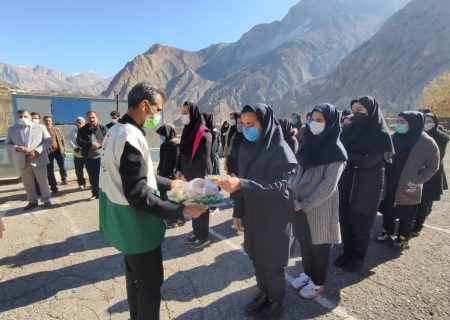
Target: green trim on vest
(128,229)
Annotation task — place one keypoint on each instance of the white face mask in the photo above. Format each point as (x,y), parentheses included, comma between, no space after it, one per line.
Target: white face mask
(316,127)
(24,122)
(35,121)
(185,119)
(428,126)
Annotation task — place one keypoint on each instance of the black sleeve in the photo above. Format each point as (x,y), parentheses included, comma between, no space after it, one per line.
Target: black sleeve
(164,184)
(83,138)
(172,160)
(365,162)
(133,173)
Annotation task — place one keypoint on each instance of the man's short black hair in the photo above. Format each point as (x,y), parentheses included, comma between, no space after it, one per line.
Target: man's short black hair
(47,117)
(36,114)
(89,112)
(115,114)
(22,111)
(144,91)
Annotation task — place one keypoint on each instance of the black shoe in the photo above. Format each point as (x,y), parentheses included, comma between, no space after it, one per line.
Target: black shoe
(191,239)
(273,311)
(383,237)
(257,305)
(339,262)
(47,205)
(64,182)
(54,192)
(198,244)
(30,206)
(415,234)
(352,265)
(171,225)
(181,223)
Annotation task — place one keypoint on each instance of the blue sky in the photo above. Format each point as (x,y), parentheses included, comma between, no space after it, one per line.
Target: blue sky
(102,36)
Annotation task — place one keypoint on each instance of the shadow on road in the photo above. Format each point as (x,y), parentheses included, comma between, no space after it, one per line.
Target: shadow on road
(74,244)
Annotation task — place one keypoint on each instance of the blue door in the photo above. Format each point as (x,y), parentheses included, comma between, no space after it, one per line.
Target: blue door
(65,110)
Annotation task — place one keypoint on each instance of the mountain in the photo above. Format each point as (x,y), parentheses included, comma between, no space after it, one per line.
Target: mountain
(411,48)
(269,63)
(46,79)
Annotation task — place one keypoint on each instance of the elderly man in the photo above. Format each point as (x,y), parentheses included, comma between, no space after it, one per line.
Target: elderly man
(56,152)
(78,159)
(90,139)
(31,141)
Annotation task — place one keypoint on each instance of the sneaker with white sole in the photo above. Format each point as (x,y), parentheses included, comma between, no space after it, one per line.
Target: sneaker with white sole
(198,244)
(300,281)
(311,290)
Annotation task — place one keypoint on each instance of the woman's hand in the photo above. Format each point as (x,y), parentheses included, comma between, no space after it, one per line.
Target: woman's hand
(297,206)
(231,185)
(238,224)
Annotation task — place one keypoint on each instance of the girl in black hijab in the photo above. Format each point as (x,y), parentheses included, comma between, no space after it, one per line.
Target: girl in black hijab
(296,120)
(433,189)
(223,134)
(169,151)
(289,133)
(415,161)
(368,144)
(316,197)
(215,144)
(233,150)
(263,206)
(195,162)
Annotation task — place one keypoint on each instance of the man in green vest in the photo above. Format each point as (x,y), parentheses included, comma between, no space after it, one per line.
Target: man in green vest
(131,212)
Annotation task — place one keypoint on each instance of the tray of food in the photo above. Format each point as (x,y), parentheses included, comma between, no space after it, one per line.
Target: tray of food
(201,191)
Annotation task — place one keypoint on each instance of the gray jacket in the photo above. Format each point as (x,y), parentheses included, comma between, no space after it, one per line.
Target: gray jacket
(317,190)
(39,140)
(422,164)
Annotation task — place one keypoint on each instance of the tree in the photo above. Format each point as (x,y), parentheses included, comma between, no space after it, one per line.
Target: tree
(436,95)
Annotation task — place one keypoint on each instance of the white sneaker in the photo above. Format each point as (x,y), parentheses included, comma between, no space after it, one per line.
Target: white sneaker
(300,282)
(311,290)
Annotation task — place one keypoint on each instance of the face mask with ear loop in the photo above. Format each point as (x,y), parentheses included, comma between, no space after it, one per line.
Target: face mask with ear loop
(153,121)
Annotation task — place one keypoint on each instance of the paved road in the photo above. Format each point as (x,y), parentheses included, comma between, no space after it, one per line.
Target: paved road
(54,265)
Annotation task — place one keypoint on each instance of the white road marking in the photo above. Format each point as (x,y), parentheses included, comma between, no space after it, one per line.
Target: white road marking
(324,302)
(436,228)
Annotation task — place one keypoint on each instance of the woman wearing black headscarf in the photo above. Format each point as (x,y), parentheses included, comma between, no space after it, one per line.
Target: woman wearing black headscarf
(169,151)
(229,135)
(195,162)
(233,150)
(289,133)
(215,144)
(416,160)
(223,135)
(263,206)
(296,120)
(432,189)
(368,144)
(316,197)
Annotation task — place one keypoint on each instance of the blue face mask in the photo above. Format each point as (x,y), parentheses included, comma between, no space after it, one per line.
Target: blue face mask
(231,122)
(163,138)
(251,134)
(401,128)
(308,122)
(294,121)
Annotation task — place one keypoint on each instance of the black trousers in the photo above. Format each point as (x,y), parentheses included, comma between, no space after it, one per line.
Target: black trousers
(406,216)
(201,226)
(93,170)
(79,164)
(355,231)
(423,210)
(270,279)
(144,277)
(315,258)
(55,155)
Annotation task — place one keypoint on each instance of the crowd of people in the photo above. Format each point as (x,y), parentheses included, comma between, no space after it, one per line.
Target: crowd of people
(321,182)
